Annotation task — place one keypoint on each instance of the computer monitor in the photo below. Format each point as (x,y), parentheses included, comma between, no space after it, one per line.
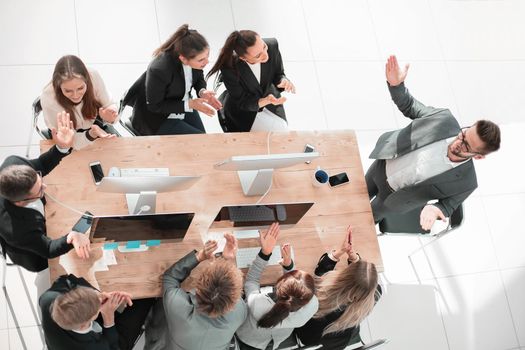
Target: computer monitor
(256,171)
(141,192)
(261,215)
(150,227)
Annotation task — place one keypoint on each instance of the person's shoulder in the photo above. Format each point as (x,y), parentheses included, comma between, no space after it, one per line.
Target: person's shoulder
(164,61)
(14,160)
(271,42)
(48,95)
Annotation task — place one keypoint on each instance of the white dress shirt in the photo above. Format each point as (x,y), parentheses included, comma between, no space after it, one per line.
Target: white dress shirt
(188,81)
(419,165)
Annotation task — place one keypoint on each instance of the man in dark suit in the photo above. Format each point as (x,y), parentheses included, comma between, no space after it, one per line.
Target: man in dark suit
(77,316)
(22,221)
(430,159)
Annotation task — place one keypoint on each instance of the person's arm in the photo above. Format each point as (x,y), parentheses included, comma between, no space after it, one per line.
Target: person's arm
(157,82)
(108,111)
(47,161)
(110,334)
(252,282)
(37,242)
(198,81)
(407,104)
(328,260)
(244,99)
(174,297)
(278,62)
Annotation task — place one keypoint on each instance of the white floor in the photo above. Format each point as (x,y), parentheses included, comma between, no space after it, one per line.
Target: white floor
(466,55)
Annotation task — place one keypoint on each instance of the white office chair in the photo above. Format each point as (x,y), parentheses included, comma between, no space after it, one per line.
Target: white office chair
(5,265)
(36,124)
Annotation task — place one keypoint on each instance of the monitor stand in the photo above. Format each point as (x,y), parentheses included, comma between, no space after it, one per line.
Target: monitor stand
(255,182)
(141,203)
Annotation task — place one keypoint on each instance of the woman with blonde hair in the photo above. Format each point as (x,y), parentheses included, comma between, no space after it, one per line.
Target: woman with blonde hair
(345,296)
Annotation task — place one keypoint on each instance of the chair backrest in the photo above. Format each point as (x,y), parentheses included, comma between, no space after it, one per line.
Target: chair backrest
(124,120)
(43,131)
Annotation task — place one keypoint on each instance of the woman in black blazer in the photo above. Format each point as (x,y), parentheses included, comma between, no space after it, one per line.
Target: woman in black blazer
(252,70)
(164,104)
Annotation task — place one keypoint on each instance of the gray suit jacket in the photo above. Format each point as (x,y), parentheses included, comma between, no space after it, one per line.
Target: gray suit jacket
(188,328)
(429,125)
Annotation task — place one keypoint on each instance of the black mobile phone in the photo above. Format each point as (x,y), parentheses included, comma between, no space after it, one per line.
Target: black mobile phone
(338,179)
(84,223)
(308,149)
(96,171)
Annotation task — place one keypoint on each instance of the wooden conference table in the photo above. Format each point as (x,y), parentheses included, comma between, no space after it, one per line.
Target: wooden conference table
(139,273)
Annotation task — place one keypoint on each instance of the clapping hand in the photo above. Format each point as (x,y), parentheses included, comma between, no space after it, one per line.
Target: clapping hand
(346,245)
(108,114)
(207,252)
(64,134)
(210,98)
(271,99)
(394,74)
(269,238)
(230,248)
(287,85)
(286,254)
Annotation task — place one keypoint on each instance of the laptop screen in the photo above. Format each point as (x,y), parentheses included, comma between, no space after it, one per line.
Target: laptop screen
(171,226)
(263,215)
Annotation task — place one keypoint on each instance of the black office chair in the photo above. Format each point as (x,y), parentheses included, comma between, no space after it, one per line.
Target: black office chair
(44,132)
(125,122)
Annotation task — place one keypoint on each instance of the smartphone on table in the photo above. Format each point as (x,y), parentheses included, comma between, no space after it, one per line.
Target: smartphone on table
(84,223)
(338,180)
(96,171)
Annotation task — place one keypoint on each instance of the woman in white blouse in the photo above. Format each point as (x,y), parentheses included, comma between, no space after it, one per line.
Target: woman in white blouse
(81,93)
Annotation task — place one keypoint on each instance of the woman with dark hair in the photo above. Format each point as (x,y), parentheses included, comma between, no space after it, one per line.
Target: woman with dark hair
(80,92)
(274,315)
(164,104)
(252,70)
(346,297)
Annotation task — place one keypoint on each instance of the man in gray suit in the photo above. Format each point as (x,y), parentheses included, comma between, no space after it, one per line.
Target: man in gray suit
(430,159)
(207,317)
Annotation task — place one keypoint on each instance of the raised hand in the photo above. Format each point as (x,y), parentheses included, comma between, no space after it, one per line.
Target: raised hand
(269,238)
(230,248)
(286,85)
(108,114)
(346,245)
(80,242)
(394,74)
(286,254)
(207,252)
(201,105)
(429,215)
(210,98)
(64,134)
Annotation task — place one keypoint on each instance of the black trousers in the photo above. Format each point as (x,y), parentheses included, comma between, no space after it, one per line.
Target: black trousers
(191,124)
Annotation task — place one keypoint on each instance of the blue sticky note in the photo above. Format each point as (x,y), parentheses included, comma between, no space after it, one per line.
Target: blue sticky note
(110,246)
(153,243)
(133,244)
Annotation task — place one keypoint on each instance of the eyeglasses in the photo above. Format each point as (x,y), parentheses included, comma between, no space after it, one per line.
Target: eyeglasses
(464,142)
(40,192)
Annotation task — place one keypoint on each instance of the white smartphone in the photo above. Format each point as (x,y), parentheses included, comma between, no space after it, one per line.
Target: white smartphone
(96,171)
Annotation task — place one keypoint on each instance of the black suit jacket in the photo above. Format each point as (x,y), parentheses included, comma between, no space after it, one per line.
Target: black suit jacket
(244,91)
(58,338)
(159,92)
(23,230)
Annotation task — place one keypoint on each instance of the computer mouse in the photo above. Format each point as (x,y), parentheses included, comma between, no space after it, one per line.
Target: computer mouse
(281,212)
(114,172)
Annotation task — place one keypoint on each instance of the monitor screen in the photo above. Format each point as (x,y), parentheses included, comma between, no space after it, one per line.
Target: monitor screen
(171,226)
(262,215)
